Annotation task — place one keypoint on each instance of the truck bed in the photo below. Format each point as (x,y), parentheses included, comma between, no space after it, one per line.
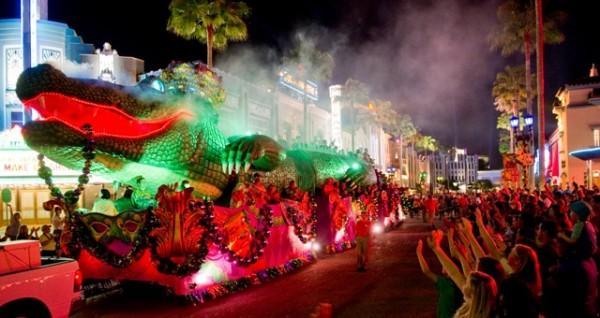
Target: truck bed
(46,262)
(52,284)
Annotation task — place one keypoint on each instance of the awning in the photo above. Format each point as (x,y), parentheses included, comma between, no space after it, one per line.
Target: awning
(19,181)
(586,153)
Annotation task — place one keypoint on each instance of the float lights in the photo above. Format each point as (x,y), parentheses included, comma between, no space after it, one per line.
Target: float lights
(528,120)
(315,246)
(355,166)
(514,121)
(201,279)
(377,228)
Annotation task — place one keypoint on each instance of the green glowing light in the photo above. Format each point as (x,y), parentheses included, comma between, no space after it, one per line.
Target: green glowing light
(355,166)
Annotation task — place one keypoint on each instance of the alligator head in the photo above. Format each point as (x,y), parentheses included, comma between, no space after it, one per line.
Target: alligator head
(137,130)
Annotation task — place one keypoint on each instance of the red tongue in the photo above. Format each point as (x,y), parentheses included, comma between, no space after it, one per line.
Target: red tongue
(119,247)
(106,120)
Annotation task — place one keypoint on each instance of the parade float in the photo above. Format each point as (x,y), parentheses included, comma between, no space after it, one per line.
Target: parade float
(221,233)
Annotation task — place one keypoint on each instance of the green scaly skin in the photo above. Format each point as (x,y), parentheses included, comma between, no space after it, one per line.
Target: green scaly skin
(191,148)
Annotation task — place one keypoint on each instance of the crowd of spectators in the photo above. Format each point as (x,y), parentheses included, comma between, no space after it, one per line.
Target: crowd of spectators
(50,237)
(514,253)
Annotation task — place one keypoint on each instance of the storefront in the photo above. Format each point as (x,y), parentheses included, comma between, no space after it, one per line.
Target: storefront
(18,173)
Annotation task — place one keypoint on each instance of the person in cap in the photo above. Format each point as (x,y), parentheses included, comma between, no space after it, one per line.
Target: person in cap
(48,242)
(583,236)
(580,211)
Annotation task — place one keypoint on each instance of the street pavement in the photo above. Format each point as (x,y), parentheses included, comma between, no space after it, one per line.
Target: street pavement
(393,286)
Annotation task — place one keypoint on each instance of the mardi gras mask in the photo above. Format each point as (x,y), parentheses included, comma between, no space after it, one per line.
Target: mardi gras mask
(117,233)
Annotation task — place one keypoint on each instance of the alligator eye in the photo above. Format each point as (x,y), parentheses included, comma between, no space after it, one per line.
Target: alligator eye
(99,227)
(158,85)
(152,82)
(130,226)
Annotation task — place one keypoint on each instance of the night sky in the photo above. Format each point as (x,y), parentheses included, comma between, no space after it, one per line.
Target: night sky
(430,58)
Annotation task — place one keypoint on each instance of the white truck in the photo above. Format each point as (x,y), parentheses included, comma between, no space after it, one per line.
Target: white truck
(32,286)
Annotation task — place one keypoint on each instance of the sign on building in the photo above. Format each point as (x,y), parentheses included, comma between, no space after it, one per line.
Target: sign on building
(303,87)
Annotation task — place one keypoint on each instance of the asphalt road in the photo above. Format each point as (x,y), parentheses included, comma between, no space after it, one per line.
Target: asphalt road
(393,286)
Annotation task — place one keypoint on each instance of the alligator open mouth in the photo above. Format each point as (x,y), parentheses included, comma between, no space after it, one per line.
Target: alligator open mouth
(106,120)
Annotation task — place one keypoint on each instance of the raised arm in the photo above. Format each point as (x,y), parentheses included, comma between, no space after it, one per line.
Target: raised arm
(33,234)
(468,253)
(487,237)
(459,253)
(473,243)
(423,263)
(453,271)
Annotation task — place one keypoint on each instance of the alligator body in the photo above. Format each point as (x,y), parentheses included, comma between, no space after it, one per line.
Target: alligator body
(162,136)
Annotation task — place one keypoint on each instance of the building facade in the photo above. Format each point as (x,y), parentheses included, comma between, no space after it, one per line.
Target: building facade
(26,42)
(56,43)
(275,111)
(278,111)
(577,110)
(106,64)
(455,168)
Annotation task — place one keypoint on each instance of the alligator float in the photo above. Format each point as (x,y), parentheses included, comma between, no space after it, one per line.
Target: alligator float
(166,135)
(165,129)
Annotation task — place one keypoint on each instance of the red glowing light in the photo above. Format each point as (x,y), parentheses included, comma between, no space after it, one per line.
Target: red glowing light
(107,120)
(77,281)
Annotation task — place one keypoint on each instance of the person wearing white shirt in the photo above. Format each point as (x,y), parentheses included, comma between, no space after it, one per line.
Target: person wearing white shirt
(104,204)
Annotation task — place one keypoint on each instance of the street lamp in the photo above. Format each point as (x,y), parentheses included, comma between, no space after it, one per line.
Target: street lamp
(514,122)
(524,140)
(528,120)
(529,128)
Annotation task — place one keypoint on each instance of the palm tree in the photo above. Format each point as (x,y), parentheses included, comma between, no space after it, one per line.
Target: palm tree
(504,133)
(510,95)
(509,90)
(427,144)
(521,24)
(516,33)
(354,94)
(400,126)
(214,22)
(406,131)
(386,116)
(406,126)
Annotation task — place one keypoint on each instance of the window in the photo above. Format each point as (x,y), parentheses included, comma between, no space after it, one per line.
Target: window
(596,137)
(14,66)
(16,118)
(50,54)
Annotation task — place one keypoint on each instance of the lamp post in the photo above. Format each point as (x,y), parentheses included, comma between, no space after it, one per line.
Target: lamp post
(529,129)
(524,137)
(514,124)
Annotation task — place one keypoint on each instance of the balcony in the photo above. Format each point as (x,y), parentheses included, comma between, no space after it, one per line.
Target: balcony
(594,97)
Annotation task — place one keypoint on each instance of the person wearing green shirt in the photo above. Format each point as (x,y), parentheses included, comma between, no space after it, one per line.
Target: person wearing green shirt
(450,297)
(125,203)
